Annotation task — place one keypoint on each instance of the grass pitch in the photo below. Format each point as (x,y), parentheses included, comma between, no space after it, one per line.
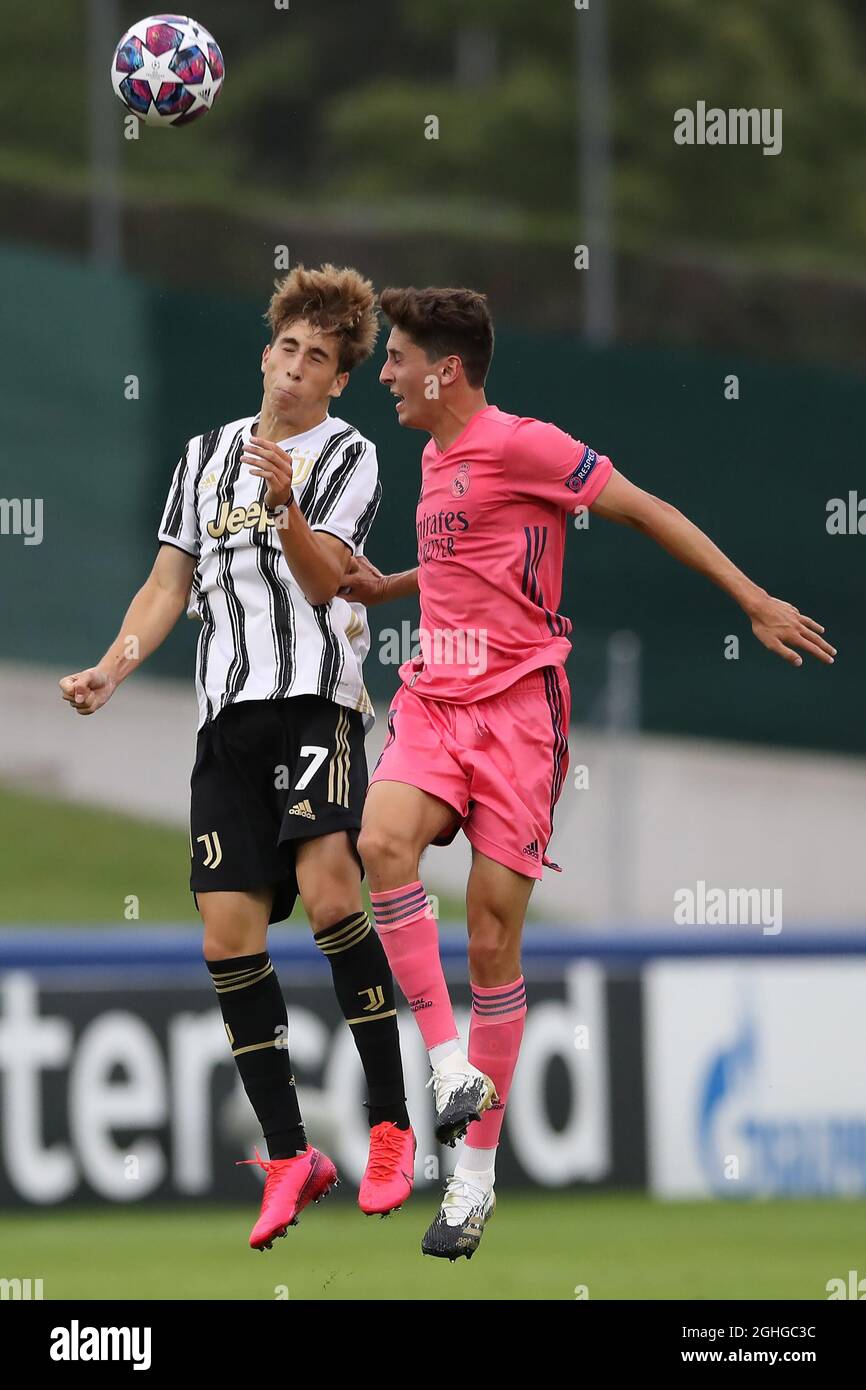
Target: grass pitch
(536,1247)
(98,859)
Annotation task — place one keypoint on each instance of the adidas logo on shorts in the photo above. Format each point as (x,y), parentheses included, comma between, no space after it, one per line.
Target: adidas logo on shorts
(302,808)
(531,849)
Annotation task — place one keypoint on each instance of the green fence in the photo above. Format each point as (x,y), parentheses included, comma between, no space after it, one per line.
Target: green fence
(756,472)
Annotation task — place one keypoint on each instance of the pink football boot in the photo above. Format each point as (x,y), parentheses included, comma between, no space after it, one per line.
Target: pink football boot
(390,1171)
(291,1184)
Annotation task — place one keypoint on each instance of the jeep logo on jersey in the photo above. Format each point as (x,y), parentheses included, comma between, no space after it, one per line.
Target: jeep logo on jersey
(583,469)
(460,482)
(230,520)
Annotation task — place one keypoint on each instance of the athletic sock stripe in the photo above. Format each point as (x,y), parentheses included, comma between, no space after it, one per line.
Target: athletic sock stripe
(229,977)
(333,934)
(359,934)
(404,905)
(506,1009)
(483,1006)
(397,895)
(407,895)
(400,904)
(373,1018)
(234,975)
(331,938)
(508,992)
(498,1005)
(512,1001)
(397,914)
(254,1047)
(245,984)
(402,913)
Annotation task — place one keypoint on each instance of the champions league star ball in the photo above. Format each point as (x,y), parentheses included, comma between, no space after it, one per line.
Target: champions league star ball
(167,70)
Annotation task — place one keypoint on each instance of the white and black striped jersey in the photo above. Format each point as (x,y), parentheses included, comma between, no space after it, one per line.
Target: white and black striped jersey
(261,639)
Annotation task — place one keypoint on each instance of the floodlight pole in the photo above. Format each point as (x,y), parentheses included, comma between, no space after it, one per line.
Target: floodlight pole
(593,116)
(103,31)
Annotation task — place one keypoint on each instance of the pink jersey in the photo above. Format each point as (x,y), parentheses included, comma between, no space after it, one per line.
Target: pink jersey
(491,525)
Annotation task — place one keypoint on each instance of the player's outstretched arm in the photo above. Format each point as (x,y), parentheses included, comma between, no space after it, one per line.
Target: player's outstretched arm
(777,624)
(363,583)
(149,619)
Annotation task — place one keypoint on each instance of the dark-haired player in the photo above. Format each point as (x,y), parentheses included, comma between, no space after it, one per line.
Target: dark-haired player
(478,731)
(261,518)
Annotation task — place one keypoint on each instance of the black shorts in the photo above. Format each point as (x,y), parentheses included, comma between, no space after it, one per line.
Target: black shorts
(269,774)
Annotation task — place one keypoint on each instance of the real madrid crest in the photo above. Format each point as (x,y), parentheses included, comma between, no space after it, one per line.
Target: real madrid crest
(460,481)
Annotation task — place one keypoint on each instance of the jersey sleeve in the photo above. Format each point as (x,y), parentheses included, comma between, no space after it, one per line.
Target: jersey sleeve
(179,525)
(545,462)
(348,498)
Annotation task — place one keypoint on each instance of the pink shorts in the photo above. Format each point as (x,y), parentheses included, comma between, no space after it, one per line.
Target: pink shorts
(499,762)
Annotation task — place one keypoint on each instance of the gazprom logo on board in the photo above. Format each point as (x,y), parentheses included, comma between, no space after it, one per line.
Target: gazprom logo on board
(779,1152)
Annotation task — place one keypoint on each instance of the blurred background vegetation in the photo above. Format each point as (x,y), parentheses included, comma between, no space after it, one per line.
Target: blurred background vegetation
(318,136)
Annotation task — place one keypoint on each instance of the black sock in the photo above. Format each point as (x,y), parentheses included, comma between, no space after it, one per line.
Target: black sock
(365,990)
(257,1024)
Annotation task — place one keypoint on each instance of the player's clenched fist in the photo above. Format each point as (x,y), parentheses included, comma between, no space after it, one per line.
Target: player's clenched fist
(87,691)
(362,582)
(265,459)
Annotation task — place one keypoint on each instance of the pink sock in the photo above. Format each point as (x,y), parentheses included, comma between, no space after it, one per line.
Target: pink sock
(495,1035)
(410,939)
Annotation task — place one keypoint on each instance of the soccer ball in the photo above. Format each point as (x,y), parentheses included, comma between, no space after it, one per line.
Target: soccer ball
(167,70)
